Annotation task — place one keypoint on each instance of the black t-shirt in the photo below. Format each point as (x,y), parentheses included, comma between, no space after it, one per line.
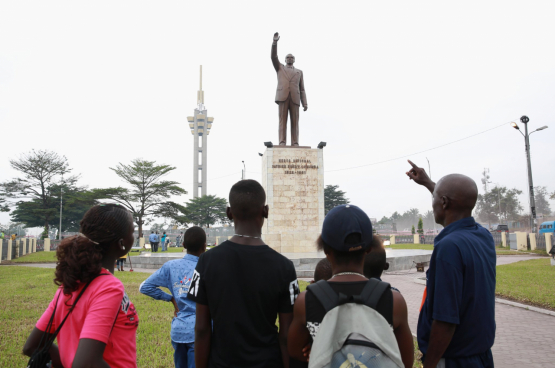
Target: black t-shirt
(245,287)
(315,312)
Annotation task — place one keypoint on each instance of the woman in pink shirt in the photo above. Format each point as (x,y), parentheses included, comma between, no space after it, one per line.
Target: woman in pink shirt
(100,330)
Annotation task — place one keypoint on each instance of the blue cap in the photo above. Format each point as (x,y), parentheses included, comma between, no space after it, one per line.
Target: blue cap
(343,221)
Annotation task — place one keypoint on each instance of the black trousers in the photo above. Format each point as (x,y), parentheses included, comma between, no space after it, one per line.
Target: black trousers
(155,246)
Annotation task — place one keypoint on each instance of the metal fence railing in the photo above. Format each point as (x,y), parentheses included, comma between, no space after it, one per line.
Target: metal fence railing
(404,239)
(540,241)
(428,239)
(54,244)
(4,255)
(497,239)
(40,245)
(15,249)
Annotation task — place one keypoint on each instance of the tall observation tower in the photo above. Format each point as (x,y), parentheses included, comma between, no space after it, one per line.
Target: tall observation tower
(200,126)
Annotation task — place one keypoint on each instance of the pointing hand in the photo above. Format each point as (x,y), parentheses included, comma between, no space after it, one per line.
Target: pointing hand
(276,37)
(419,176)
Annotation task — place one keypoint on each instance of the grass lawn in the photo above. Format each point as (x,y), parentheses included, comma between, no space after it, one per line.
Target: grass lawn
(38,257)
(530,282)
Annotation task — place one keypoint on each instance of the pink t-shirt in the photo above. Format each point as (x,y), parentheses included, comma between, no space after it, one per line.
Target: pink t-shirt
(93,318)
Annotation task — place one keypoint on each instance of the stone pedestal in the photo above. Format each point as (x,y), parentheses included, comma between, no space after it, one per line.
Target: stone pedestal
(293,178)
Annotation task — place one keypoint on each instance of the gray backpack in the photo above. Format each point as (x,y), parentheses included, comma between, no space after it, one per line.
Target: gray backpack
(353,334)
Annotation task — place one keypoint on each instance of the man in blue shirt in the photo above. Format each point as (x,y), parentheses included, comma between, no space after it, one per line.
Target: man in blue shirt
(456,326)
(176,276)
(152,239)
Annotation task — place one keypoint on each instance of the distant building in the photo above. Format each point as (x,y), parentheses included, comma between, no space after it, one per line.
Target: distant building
(200,125)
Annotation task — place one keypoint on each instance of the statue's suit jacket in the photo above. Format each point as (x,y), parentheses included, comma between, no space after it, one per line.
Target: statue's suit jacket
(290,80)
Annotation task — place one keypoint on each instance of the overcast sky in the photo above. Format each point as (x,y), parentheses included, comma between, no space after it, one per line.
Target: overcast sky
(109,81)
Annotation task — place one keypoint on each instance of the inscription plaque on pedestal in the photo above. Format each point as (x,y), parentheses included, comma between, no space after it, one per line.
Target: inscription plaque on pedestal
(293,178)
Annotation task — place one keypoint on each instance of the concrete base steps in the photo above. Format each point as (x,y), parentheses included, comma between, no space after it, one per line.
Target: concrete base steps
(305,263)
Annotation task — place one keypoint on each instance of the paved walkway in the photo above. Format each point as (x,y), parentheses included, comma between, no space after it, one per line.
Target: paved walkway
(523,338)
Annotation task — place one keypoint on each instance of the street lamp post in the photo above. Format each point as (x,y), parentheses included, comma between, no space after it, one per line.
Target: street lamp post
(524,119)
(61,196)
(244,170)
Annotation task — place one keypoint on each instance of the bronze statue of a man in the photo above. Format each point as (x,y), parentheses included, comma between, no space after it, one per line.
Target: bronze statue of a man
(289,94)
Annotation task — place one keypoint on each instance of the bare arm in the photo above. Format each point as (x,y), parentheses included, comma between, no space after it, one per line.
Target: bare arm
(284,323)
(33,342)
(440,338)
(298,337)
(419,176)
(275,59)
(203,336)
(90,354)
(401,330)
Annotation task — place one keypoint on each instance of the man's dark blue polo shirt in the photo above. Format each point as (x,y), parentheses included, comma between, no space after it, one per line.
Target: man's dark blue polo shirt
(461,290)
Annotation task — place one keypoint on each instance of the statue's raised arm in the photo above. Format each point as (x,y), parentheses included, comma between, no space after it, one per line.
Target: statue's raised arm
(275,59)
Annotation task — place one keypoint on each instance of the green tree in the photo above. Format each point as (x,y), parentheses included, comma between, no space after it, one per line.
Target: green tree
(333,197)
(540,197)
(145,194)
(499,204)
(207,210)
(420,226)
(412,230)
(42,170)
(76,201)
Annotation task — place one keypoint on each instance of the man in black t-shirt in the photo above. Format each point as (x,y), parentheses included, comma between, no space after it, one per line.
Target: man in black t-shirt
(242,285)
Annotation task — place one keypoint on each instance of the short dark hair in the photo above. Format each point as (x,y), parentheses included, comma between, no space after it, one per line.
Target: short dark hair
(343,258)
(246,198)
(323,270)
(194,239)
(375,261)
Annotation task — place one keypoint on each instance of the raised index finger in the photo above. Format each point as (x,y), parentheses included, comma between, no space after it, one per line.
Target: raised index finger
(412,164)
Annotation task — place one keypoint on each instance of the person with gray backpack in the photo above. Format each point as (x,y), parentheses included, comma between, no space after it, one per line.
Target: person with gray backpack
(350,320)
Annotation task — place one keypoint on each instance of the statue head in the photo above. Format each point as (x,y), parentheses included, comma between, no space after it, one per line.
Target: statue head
(289,59)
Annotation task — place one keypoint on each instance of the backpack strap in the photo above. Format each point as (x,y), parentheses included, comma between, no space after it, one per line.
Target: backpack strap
(325,294)
(373,291)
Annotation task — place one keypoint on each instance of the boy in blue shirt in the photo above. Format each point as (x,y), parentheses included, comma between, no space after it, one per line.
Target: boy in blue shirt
(176,276)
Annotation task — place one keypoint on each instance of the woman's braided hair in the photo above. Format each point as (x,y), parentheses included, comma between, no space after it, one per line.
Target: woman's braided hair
(79,258)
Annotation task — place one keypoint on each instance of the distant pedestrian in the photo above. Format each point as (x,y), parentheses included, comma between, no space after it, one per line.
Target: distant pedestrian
(177,276)
(153,239)
(120,262)
(100,321)
(456,326)
(157,243)
(14,236)
(1,235)
(178,240)
(164,236)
